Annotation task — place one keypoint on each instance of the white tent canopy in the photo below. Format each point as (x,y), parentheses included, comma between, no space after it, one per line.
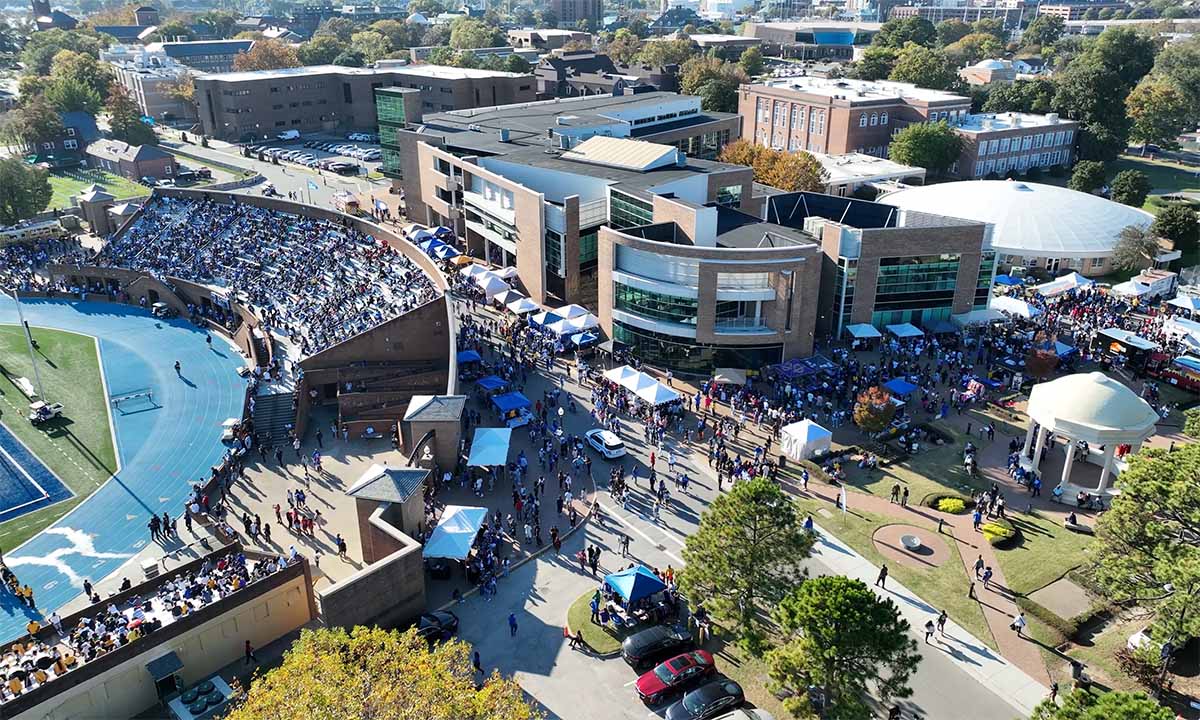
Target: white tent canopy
(1130,289)
(472,270)
(1187,302)
(905,330)
(657,394)
(571,311)
(522,306)
(455,533)
(1188,332)
(802,440)
(490,447)
(1063,284)
(579,323)
(1014,306)
(644,386)
(508,296)
(505,273)
(862,331)
(491,285)
(978,317)
(619,374)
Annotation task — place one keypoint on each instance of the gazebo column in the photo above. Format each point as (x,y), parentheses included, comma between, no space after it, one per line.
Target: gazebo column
(1041,445)
(1106,471)
(1069,462)
(1029,437)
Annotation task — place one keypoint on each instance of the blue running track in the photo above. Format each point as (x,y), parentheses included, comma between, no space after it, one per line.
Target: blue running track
(162,446)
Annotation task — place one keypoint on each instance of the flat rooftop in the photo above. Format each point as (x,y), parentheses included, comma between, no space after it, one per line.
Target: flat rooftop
(860,166)
(716,39)
(862,89)
(981,122)
(822,24)
(736,229)
(431,71)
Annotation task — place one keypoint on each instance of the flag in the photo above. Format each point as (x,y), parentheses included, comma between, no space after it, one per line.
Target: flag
(312,185)
(843,499)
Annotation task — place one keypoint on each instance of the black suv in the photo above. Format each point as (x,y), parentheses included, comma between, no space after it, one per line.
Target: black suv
(653,644)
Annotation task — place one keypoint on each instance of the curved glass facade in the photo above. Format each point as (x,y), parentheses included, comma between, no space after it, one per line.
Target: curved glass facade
(655,306)
(690,358)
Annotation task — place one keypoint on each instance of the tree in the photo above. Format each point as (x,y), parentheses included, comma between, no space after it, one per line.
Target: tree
(899,32)
(1136,248)
(951,31)
(517,64)
(396,32)
(1083,705)
(436,36)
(623,47)
(714,80)
(373,46)
(1030,96)
(1179,62)
(751,61)
(1160,112)
(184,88)
(219,22)
(350,58)
(428,8)
(1191,423)
(35,123)
(173,30)
(1126,51)
(924,67)
(339,27)
(39,52)
(666,52)
(1093,94)
(933,146)
(991,26)
(267,55)
(381,675)
(24,190)
(1130,187)
(469,33)
(68,94)
(841,636)
(973,48)
(875,63)
(792,172)
(1177,223)
(874,410)
(82,67)
(321,50)
(1044,30)
(125,119)
(1088,176)
(746,554)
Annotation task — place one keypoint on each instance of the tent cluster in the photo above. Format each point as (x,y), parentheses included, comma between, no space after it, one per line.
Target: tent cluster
(641,385)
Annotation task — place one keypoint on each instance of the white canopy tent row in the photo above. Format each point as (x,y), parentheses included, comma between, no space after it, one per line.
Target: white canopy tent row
(642,385)
(570,326)
(1063,284)
(522,306)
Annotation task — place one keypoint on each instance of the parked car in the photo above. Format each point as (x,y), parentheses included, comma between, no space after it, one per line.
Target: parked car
(437,626)
(655,643)
(289,135)
(676,675)
(708,701)
(606,443)
(147,180)
(747,714)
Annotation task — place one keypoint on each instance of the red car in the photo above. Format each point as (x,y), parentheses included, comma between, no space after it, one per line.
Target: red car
(675,675)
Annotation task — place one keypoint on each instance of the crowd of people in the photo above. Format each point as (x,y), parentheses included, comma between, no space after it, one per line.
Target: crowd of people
(21,263)
(316,281)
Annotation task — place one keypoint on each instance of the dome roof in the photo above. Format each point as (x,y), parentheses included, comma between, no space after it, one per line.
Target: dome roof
(1092,407)
(1029,219)
(990,64)
(417,19)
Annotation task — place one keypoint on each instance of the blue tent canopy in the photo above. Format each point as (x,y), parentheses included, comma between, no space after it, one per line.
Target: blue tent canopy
(490,447)
(491,383)
(1007,280)
(466,356)
(1189,362)
(635,583)
(429,244)
(510,401)
(444,252)
(584,338)
(1062,349)
(549,319)
(899,386)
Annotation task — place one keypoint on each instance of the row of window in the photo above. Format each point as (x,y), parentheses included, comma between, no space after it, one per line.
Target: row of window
(816,117)
(1027,142)
(873,120)
(1022,163)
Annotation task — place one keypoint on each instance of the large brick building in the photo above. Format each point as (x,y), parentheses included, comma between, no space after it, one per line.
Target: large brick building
(260,104)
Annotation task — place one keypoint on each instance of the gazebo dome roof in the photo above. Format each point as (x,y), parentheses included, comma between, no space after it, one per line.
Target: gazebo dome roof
(1092,407)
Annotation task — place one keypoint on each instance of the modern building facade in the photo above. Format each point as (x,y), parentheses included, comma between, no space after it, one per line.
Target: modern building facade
(812,39)
(331,97)
(206,56)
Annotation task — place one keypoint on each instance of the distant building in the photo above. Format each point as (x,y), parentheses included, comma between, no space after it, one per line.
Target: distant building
(728,47)
(150,78)
(207,56)
(46,19)
(570,12)
(422,54)
(1013,14)
(547,39)
(986,72)
(845,174)
(674,20)
(331,97)
(813,39)
(66,150)
(131,161)
(999,143)
(566,74)
(1076,10)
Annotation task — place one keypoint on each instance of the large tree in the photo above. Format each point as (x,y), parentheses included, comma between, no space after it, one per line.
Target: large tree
(898,32)
(35,123)
(875,63)
(1147,551)
(924,67)
(714,80)
(623,47)
(267,55)
(39,52)
(745,556)
(666,52)
(1179,62)
(951,31)
(1094,94)
(84,68)
(125,119)
(1130,187)
(1177,223)
(751,61)
(321,50)
(973,48)
(874,410)
(1136,248)
(374,46)
(839,635)
(933,146)
(69,94)
(375,674)
(24,190)
(470,33)
(338,27)
(793,171)
(1044,30)
(1029,96)
(1088,176)
(1084,705)
(1160,112)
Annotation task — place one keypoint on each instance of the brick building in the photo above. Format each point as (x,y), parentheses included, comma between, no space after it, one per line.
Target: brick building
(131,161)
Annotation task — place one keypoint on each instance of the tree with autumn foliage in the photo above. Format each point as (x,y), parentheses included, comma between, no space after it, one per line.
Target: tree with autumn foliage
(792,171)
(267,55)
(874,410)
(381,675)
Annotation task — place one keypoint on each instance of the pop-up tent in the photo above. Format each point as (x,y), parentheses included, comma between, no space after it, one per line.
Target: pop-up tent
(1007,280)
(490,447)
(444,252)
(571,311)
(1063,284)
(802,440)
(1187,302)
(863,331)
(492,383)
(491,285)
(472,270)
(455,533)
(522,306)
(899,386)
(545,318)
(633,584)
(467,356)
(508,296)
(510,401)
(620,374)
(584,338)
(905,330)
(1014,306)
(657,394)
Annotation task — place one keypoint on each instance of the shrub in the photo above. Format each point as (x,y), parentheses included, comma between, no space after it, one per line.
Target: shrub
(1000,532)
(935,500)
(1143,664)
(954,506)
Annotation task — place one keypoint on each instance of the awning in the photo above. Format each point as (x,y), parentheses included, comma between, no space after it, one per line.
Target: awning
(729,376)
(455,533)
(804,439)
(161,668)
(1014,306)
(490,447)
(1187,302)
(522,306)
(862,331)
(905,330)
(510,401)
(492,383)
(899,386)
(467,356)
(634,583)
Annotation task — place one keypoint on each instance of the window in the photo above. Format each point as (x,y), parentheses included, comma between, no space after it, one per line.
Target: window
(167,169)
(1026,142)
(277,107)
(70,144)
(820,122)
(1049,140)
(794,143)
(874,119)
(280,123)
(1037,141)
(627,211)
(764,110)
(862,120)
(445,90)
(655,306)
(781,114)
(1058,137)
(797,117)
(1003,145)
(883,119)
(70,132)
(1070,136)
(732,194)
(812,121)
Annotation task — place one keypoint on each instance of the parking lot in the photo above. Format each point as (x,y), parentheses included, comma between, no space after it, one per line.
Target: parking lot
(356,154)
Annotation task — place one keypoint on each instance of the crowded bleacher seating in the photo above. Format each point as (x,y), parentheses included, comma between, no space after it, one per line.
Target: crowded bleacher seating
(21,261)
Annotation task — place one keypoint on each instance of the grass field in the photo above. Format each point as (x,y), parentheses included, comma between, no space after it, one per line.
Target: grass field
(599,639)
(72,182)
(78,449)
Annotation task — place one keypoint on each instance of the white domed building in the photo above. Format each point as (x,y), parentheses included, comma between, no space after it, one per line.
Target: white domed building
(417,19)
(1033,225)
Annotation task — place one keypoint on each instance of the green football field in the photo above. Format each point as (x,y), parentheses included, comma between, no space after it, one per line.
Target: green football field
(79,448)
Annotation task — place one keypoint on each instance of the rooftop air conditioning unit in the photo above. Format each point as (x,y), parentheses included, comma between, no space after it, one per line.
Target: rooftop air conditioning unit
(1052,118)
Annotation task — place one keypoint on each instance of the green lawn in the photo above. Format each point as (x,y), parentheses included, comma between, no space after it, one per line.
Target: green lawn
(599,639)
(1047,552)
(72,182)
(1165,177)
(79,448)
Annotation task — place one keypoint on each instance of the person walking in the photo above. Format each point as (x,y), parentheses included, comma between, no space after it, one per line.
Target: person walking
(987,577)
(1018,624)
(928,630)
(512,625)
(895,493)
(250,657)
(979,567)
(625,545)
(904,498)
(941,622)
(881,581)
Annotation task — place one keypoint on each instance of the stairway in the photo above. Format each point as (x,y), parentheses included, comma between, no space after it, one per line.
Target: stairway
(272,415)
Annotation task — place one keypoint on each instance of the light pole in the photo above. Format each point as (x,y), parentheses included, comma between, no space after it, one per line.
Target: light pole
(37,376)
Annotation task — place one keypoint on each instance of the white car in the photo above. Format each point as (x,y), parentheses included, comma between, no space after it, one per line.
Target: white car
(605,443)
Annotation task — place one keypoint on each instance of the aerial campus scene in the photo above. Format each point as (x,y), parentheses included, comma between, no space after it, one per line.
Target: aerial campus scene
(683,359)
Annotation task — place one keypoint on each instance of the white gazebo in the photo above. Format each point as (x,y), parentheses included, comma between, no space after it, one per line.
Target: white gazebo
(1091,407)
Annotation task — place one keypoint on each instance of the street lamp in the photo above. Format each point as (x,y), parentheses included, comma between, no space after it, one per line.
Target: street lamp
(37,376)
